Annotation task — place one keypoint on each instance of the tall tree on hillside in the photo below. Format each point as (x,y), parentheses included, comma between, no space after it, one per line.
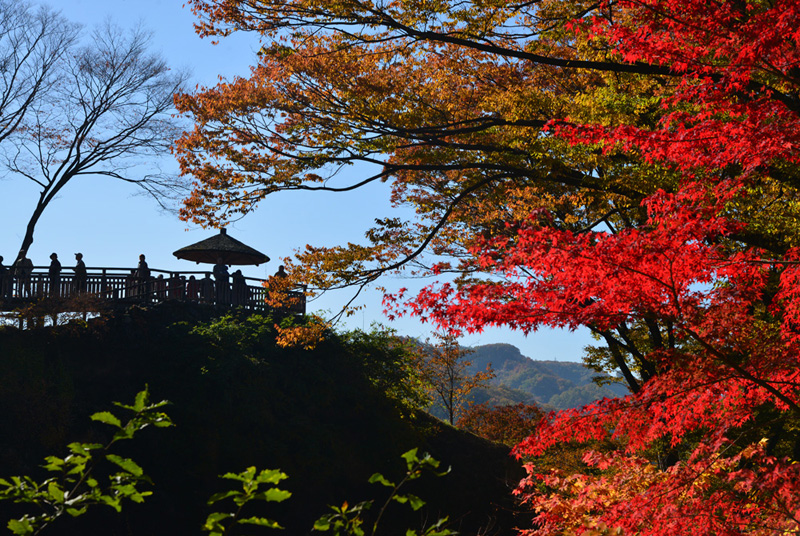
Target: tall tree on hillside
(108,114)
(631,167)
(443,368)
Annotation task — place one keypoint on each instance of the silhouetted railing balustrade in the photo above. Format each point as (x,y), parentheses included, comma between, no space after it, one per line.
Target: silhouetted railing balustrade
(122,285)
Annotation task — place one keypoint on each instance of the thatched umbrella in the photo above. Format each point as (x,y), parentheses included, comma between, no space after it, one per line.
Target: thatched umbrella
(230,250)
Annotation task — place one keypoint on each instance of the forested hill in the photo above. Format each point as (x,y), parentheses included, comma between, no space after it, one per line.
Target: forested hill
(237,399)
(560,384)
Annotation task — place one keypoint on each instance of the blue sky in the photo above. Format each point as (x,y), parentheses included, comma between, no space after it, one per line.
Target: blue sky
(111,224)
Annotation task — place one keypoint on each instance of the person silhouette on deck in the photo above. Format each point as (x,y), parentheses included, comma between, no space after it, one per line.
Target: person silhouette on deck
(239,288)
(143,277)
(192,288)
(79,283)
(55,276)
(207,289)
(23,270)
(221,277)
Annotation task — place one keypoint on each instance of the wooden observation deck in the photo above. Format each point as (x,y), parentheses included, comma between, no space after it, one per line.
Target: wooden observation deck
(119,288)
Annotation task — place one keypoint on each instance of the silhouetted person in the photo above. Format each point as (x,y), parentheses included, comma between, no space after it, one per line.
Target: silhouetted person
(221,280)
(239,288)
(281,272)
(55,275)
(192,288)
(143,277)
(180,289)
(79,283)
(207,289)
(23,269)
(5,277)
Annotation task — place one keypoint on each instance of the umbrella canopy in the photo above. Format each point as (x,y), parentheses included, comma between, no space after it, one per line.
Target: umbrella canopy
(230,250)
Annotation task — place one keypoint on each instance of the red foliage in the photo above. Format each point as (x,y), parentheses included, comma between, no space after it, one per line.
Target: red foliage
(730,375)
(736,103)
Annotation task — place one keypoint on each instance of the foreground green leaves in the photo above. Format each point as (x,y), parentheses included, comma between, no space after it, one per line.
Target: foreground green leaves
(344,520)
(348,520)
(73,488)
(253,489)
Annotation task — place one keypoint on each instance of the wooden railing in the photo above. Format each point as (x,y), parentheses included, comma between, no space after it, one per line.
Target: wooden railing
(121,285)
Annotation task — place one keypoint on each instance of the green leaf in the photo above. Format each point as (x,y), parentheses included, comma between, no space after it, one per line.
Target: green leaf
(126,464)
(439,530)
(78,464)
(245,476)
(415,502)
(214,520)
(138,497)
(443,473)
(54,463)
(270,476)
(75,512)
(55,492)
(275,495)
(162,421)
(377,477)
(108,500)
(429,461)
(223,495)
(410,457)
(322,524)
(107,417)
(261,522)
(125,433)
(141,400)
(20,526)
(216,517)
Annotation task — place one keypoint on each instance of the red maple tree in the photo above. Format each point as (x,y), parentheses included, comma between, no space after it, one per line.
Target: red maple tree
(709,433)
(627,166)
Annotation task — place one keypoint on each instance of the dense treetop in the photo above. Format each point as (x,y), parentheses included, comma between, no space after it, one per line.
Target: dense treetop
(626,166)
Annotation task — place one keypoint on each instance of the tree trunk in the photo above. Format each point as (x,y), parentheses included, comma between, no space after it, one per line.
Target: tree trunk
(28,238)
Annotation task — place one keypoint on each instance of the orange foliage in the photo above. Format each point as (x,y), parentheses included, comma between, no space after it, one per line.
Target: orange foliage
(508,424)
(306,336)
(443,369)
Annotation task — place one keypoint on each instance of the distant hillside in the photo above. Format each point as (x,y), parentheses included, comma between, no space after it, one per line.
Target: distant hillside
(559,384)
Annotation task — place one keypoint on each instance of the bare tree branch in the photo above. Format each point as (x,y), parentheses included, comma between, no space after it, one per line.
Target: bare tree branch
(108,114)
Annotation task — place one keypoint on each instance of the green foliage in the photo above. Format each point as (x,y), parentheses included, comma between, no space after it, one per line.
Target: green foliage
(386,360)
(247,335)
(389,363)
(261,486)
(348,520)
(75,488)
(344,520)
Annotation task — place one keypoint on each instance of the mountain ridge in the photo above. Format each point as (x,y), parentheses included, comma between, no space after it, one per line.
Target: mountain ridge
(519,378)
